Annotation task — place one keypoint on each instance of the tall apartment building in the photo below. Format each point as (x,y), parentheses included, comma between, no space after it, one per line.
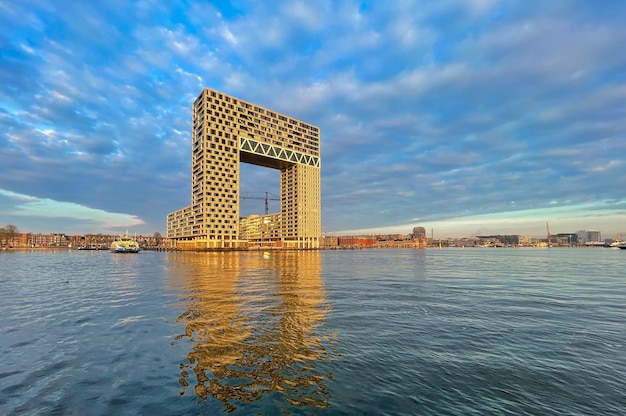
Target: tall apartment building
(419,232)
(585,236)
(227,131)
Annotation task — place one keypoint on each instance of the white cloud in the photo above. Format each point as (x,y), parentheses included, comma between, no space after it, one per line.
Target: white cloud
(97,219)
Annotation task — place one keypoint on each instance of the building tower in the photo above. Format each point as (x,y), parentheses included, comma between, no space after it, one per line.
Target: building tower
(419,232)
(227,131)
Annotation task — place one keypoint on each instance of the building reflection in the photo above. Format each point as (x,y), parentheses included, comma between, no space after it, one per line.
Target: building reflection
(253,323)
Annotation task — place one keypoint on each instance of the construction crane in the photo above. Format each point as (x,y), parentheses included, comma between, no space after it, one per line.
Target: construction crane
(266,198)
(549,236)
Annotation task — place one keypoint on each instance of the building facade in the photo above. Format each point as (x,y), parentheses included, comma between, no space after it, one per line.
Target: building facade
(419,232)
(261,231)
(227,131)
(587,236)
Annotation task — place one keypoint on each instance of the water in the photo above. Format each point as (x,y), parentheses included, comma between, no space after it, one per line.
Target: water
(415,332)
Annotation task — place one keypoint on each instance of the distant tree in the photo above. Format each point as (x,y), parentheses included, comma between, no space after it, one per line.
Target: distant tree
(157,238)
(9,232)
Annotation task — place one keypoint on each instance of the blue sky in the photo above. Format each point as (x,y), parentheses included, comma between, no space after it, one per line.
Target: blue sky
(463,116)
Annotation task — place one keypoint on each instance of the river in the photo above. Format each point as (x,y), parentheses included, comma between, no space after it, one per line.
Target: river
(397,332)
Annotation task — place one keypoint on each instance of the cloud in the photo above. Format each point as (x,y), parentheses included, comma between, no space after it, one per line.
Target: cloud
(430,110)
(18,206)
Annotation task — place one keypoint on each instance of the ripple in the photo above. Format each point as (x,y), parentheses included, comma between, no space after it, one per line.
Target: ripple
(363,332)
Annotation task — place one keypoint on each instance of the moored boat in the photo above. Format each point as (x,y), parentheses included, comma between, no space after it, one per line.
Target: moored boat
(125,244)
(622,245)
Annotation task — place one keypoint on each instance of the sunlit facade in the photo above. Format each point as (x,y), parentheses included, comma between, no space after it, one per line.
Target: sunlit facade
(261,230)
(228,131)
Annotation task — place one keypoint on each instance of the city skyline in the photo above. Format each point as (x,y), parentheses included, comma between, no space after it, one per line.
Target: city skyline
(255,218)
(465,117)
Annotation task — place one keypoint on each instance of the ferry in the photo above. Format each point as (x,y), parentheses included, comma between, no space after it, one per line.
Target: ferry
(125,244)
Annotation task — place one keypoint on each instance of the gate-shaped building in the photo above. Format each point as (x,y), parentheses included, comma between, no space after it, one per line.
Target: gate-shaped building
(227,131)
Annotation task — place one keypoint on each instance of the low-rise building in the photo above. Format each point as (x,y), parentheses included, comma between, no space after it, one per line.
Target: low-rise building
(261,230)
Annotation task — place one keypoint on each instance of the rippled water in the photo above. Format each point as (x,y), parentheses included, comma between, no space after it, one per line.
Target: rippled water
(441,332)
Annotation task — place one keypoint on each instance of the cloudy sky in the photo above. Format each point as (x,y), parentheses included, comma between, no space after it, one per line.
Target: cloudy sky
(463,116)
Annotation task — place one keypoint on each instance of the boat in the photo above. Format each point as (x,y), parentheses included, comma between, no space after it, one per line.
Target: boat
(622,245)
(617,243)
(92,247)
(125,244)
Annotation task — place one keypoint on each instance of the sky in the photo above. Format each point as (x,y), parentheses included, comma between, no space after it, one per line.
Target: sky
(466,117)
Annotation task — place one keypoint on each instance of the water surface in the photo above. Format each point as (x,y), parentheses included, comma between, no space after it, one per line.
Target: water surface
(442,332)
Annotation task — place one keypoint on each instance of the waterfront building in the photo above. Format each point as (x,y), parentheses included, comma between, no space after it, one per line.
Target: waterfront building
(419,232)
(261,230)
(46,240)
(329,242)
(227,131)
(509,240)
(567,238)
(357,241)
(587,236)
(594,235)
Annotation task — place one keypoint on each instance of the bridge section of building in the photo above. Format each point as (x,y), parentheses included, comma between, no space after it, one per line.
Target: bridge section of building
(228,131)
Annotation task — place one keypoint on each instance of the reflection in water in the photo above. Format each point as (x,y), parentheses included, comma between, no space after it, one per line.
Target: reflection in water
(252,322)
